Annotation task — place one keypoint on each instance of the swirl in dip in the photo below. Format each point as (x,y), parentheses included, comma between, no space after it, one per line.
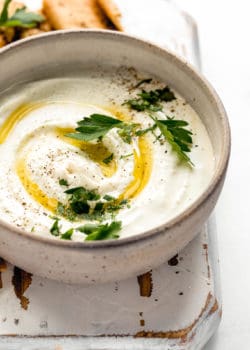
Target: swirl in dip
(39,162)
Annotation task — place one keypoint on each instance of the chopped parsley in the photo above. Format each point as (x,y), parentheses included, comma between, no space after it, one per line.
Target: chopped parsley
(99,207)
(79,198)
(102,231)
(143,81)
(128,131)
(108,159)
(88,205)
(63,182)
(151,100)
(81,193)
(94,232)
(117,205)
(125,156)
(66,212)
(108,198)
(67,235)
(21,18)
(55,229)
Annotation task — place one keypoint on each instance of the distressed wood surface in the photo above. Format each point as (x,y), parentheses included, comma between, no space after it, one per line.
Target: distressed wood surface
(176,306)
(172,303)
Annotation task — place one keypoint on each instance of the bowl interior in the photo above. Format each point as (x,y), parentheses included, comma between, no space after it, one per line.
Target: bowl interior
(62,53)
(67,52)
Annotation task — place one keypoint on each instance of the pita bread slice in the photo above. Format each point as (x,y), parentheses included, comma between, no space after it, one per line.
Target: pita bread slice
(64,14)
(112,11)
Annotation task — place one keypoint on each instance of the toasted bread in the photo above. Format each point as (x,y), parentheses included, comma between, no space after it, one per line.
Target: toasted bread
(112,12)
(30,32)
(63,14)
(3,41)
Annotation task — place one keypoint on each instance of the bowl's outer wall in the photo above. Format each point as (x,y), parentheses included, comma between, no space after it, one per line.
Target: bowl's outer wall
(63,53)
(102,264)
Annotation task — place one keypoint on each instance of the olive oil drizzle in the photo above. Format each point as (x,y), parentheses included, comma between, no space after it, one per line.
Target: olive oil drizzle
(97,152)
(16,117)
(142,170)
(33,189)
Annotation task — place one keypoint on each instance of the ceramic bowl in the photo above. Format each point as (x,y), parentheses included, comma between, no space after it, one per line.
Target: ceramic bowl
(57,53)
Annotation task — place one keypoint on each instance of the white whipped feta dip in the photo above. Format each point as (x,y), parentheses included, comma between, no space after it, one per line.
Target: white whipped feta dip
(31,144)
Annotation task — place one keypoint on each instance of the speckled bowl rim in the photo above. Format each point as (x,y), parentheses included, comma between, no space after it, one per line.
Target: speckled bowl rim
(197,77)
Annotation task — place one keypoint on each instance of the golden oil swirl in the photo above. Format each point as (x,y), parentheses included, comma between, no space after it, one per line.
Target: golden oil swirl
(33,189)
(97,152)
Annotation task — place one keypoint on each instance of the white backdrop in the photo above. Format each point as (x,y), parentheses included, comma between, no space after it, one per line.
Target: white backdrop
(224,32)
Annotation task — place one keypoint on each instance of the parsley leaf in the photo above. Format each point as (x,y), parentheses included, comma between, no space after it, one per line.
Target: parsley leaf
(125,156)
(145,131)
(158,95)
(179,138)
(21,18)
(97,126)
(108,159)
(55,229)
(63,182)
(115,205)
(67,235)
(108,198)
(101,232)
(127,132)
(140,105)
(65,212)
(150,100)
(79,198)
(82,193)
(79,205)
(94,232)
(143,81)
(94,127)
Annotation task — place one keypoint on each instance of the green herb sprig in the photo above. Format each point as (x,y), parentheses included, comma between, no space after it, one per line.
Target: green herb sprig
(151,100)
(63,182)
(56,231)
(102,231)
(21,18)
(67,235)
(95,232)
(79,198)
(98,125)
(177,136)
(109,159)
(89,205)
(171,130)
